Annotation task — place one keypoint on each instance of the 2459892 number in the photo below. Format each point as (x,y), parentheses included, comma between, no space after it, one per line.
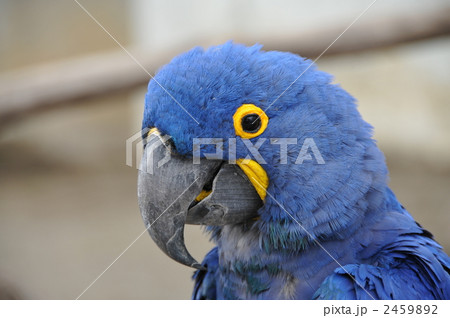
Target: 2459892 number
(411,309)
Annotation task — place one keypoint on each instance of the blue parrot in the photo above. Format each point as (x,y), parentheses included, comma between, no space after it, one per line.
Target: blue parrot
(275,160)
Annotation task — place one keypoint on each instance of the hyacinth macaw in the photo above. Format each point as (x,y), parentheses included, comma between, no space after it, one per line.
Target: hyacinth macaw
(289,221)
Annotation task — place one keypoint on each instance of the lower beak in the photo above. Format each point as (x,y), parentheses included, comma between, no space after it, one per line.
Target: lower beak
(168,192)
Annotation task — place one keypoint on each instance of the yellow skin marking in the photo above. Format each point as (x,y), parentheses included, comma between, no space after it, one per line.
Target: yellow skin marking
(256,174)
(247,109)
(153,130)
(202,195)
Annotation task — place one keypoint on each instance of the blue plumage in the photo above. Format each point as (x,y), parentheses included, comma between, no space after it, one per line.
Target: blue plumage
(315,216)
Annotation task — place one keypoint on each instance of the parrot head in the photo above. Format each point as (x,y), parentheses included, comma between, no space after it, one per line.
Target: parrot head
(236,135)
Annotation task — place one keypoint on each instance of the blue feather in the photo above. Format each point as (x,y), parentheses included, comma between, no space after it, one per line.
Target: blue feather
(205,280)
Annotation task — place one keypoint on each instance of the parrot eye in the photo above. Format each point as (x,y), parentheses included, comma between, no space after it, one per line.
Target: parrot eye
(250,121)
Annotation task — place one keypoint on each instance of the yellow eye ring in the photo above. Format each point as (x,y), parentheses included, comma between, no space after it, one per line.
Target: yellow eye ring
(250,121)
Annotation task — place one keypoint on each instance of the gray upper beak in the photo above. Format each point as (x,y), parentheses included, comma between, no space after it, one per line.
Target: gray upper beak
(168,185)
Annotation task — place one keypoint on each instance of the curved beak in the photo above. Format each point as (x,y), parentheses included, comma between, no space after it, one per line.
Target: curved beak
(169,186)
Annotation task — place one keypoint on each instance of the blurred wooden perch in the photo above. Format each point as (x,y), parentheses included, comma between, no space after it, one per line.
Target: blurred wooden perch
(44,86)
(367,34)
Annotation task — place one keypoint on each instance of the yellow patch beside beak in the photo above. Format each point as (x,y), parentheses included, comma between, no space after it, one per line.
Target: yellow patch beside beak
(153,130)
(256,174)
(202,195)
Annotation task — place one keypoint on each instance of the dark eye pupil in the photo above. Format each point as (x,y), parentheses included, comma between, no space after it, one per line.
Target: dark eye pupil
(251,123)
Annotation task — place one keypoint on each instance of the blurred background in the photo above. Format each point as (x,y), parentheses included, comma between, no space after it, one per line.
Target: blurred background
(70,97)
